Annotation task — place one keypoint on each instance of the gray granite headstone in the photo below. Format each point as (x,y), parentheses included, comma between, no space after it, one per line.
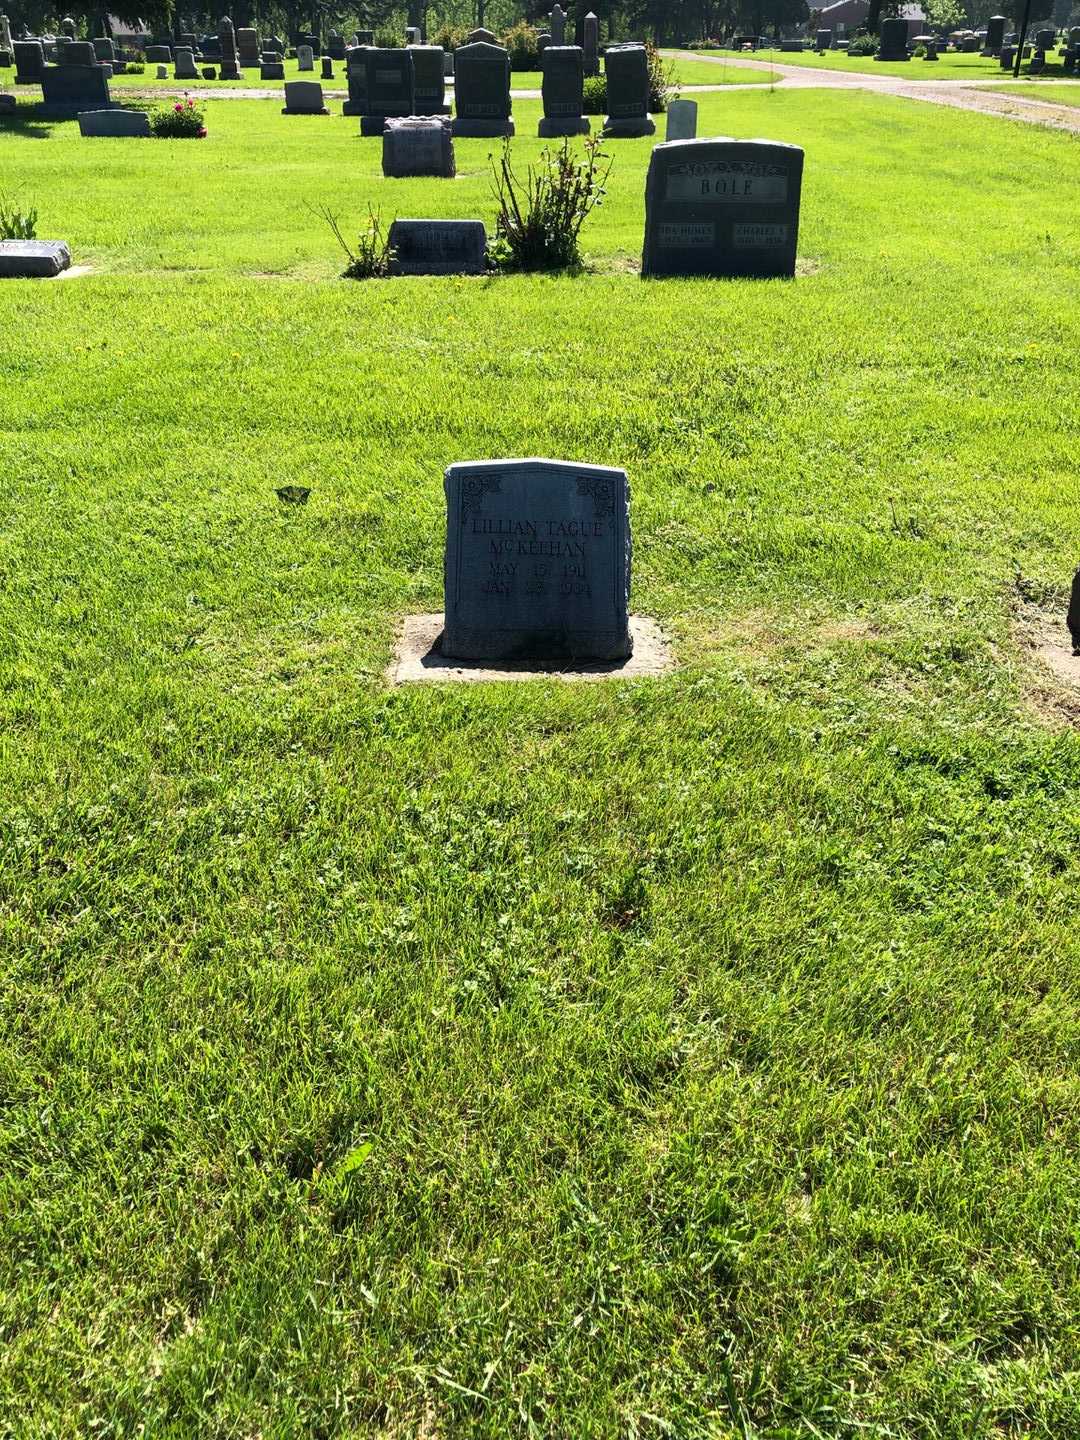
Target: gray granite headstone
(681,120)
(335,45)
(159,55)
(418,145)
(184,65)
(429,80)
(537,561)
(328,67)
(481,37)
(722,207)
(413,35)
(33,259)
(995,35)
(893,41)
(114,123)
(356,79)
(247,47)
(162,72)
(304,97)
(389,87)
(823,40)
(561,87)
(305,59)
(230,66)
(1044,39)
(271,68)
(104,50)
(591,44)
(627,71)
(29,61)
(558,26)
(438,247)
(67,89)
(482,91)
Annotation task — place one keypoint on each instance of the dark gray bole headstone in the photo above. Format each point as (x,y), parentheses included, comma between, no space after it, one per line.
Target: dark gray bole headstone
(482,91)
(418,145)
(429,80)
(388,84)
(437,247)
(722,207)
(893,41)
(562,87)
(537,562)
(627,71)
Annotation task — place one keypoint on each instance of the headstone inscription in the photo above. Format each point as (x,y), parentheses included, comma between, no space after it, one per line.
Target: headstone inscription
(248,50)
(327,67)
(558,26)
(591,44)
(388,86)
(482,91)
(437,247)
(304,97)
(537,561)
(29,61)
(893,41)
(115,123)
(681,120)
(356,79)
(230,65)
(722,207)
(305,59)
(995,35)
(418,145)
(627,71)
(429,80)
(563,71)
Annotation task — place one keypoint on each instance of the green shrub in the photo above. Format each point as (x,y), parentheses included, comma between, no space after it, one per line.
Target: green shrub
(594,95)
(450,37)
(16,224)
(184,121)
(134,67)
(523,43)
(662,84)
(540,219)
(373,253)
(863,45)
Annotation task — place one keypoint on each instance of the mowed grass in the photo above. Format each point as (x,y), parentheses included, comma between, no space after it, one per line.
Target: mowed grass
(687,1057)
(1061,93)
(949,66)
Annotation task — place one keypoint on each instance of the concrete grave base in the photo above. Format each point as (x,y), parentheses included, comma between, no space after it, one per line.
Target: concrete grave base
(33,259)
(418,658)
(548,129)
(482,129)
(629,129)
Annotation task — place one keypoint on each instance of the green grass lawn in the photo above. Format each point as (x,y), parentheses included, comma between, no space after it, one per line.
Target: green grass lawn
(689,1057)
(1062,93)
(946,67)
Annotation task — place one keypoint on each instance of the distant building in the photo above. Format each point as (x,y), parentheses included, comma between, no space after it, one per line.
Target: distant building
(847,15)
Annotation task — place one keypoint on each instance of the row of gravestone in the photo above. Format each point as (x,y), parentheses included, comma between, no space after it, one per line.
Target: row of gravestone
(388,84)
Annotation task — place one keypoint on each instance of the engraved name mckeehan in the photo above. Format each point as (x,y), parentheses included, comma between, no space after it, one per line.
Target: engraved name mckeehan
(554,538)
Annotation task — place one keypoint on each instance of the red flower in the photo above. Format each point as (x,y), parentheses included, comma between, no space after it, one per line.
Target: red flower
(202,132)
(178,109)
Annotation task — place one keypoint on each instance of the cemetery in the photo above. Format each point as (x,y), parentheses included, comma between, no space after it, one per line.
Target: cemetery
(540,754)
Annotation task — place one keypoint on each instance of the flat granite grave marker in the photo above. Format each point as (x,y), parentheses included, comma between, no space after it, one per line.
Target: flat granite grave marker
(114,123)
(562,87)
(627,71)
(482,91)
(537,561)
(438,247)
(33,259)
(304,97)
(681,120)
(418,145)
(722,207)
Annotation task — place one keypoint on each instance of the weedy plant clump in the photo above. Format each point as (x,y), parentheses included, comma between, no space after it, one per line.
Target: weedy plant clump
(540,218)
(16,223)
(373,254)
(663,86)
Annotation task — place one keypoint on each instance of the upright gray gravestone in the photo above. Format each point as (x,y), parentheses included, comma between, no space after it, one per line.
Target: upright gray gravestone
(1044,39)
(429,80)
(681,120)
(995,35)
(482,91)
(627,71)
(591,44)
(184,66)
(418,145)
(388,84)
(722,207)
(29,61)
(413,35)
(562,87)
(327,68)
(79,84)
(356,79)
(481,37)
(893,41)
(159,54)
(304,97)
(537,561)
(335,45)
(305,59)
(823,40)
(247,48)
(104,49)
(162,72)
(437,247)
(558,26)
(270,67)
(230,67)
(365,37)
(6,42)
